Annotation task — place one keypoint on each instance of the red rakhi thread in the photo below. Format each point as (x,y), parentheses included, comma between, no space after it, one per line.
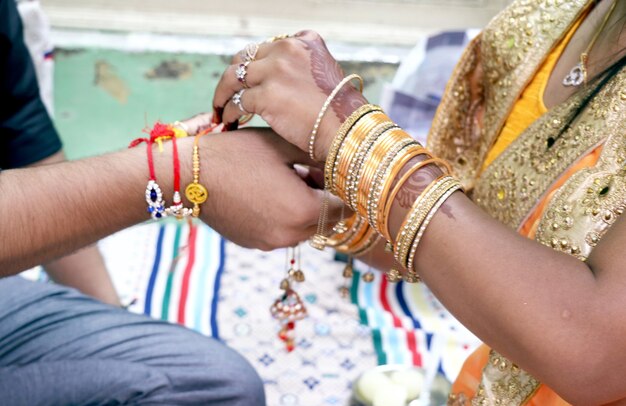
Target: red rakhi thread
(153,193)
(156,206)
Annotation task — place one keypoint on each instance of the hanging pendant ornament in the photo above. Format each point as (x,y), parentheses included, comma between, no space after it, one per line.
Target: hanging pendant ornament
(393,275)
(318,241)
(348,273)
(289,308)
(341,227)
(578,74)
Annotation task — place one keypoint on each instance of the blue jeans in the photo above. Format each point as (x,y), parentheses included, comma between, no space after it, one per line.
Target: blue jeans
(59,347)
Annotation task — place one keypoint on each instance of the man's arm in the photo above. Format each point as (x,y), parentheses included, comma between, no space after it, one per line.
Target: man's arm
(51,210)
(84,269)
(255,197)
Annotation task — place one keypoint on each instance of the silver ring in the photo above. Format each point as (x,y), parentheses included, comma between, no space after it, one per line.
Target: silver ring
(237,101)
(248,54)
(241,72)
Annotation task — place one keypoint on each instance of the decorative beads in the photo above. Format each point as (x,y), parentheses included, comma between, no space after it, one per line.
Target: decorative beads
(154,198)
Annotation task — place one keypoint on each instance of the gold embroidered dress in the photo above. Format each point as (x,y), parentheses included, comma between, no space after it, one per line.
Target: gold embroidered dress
(562,185)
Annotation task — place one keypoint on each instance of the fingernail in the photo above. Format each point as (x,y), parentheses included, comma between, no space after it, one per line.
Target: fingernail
(217,114)
(231,126)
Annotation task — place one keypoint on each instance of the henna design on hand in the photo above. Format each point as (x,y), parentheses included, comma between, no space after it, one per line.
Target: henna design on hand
(416,184)
(327,73)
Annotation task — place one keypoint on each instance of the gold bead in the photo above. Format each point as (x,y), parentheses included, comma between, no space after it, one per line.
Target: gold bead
(393,275)
(411,277)
(284,284)
(368,277)
(340,227)
(318,242)
(298,276)
(348,271)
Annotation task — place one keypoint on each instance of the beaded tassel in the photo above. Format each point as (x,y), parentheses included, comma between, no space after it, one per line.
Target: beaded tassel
(289,308)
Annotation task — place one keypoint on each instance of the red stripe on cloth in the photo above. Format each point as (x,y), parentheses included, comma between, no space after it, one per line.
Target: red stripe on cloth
(184,293)
(411,338)
(385,303)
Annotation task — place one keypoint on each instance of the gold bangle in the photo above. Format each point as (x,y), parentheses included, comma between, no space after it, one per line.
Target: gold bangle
(195,192)
(345,127)
(368,242)
(327,102)
(418,213)
(355,167)
(374,201)
(352,225)
(414,219)
(357,236)
(382,218)
(388,203)
(348,150)
(446,193)
(354,141)
(373,162)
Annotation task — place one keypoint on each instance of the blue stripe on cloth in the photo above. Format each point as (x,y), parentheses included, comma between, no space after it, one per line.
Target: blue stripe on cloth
(216,288)
(403,305)
(155,270)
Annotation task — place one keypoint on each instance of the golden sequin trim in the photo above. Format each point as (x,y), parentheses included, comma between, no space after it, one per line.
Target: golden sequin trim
(511,49)
(513,184)
(504,383)
(586,206)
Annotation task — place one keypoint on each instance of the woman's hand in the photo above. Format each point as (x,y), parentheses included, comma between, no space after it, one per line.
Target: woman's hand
(289,80)
(256,197)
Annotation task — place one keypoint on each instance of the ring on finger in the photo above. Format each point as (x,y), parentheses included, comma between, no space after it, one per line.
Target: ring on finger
(278,37)
(237,101)
(248,54)
(241,72)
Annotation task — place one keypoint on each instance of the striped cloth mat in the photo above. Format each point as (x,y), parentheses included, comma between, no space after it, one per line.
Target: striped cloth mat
(410,326)
(193,277)
(169,271)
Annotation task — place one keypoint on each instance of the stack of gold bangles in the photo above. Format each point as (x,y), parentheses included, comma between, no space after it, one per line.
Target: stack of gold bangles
(368,163)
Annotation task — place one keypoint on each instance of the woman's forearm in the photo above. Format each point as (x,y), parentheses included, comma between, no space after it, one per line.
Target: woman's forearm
(534,305)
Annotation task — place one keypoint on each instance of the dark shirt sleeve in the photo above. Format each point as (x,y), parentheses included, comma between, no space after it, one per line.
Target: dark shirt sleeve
(27,134)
